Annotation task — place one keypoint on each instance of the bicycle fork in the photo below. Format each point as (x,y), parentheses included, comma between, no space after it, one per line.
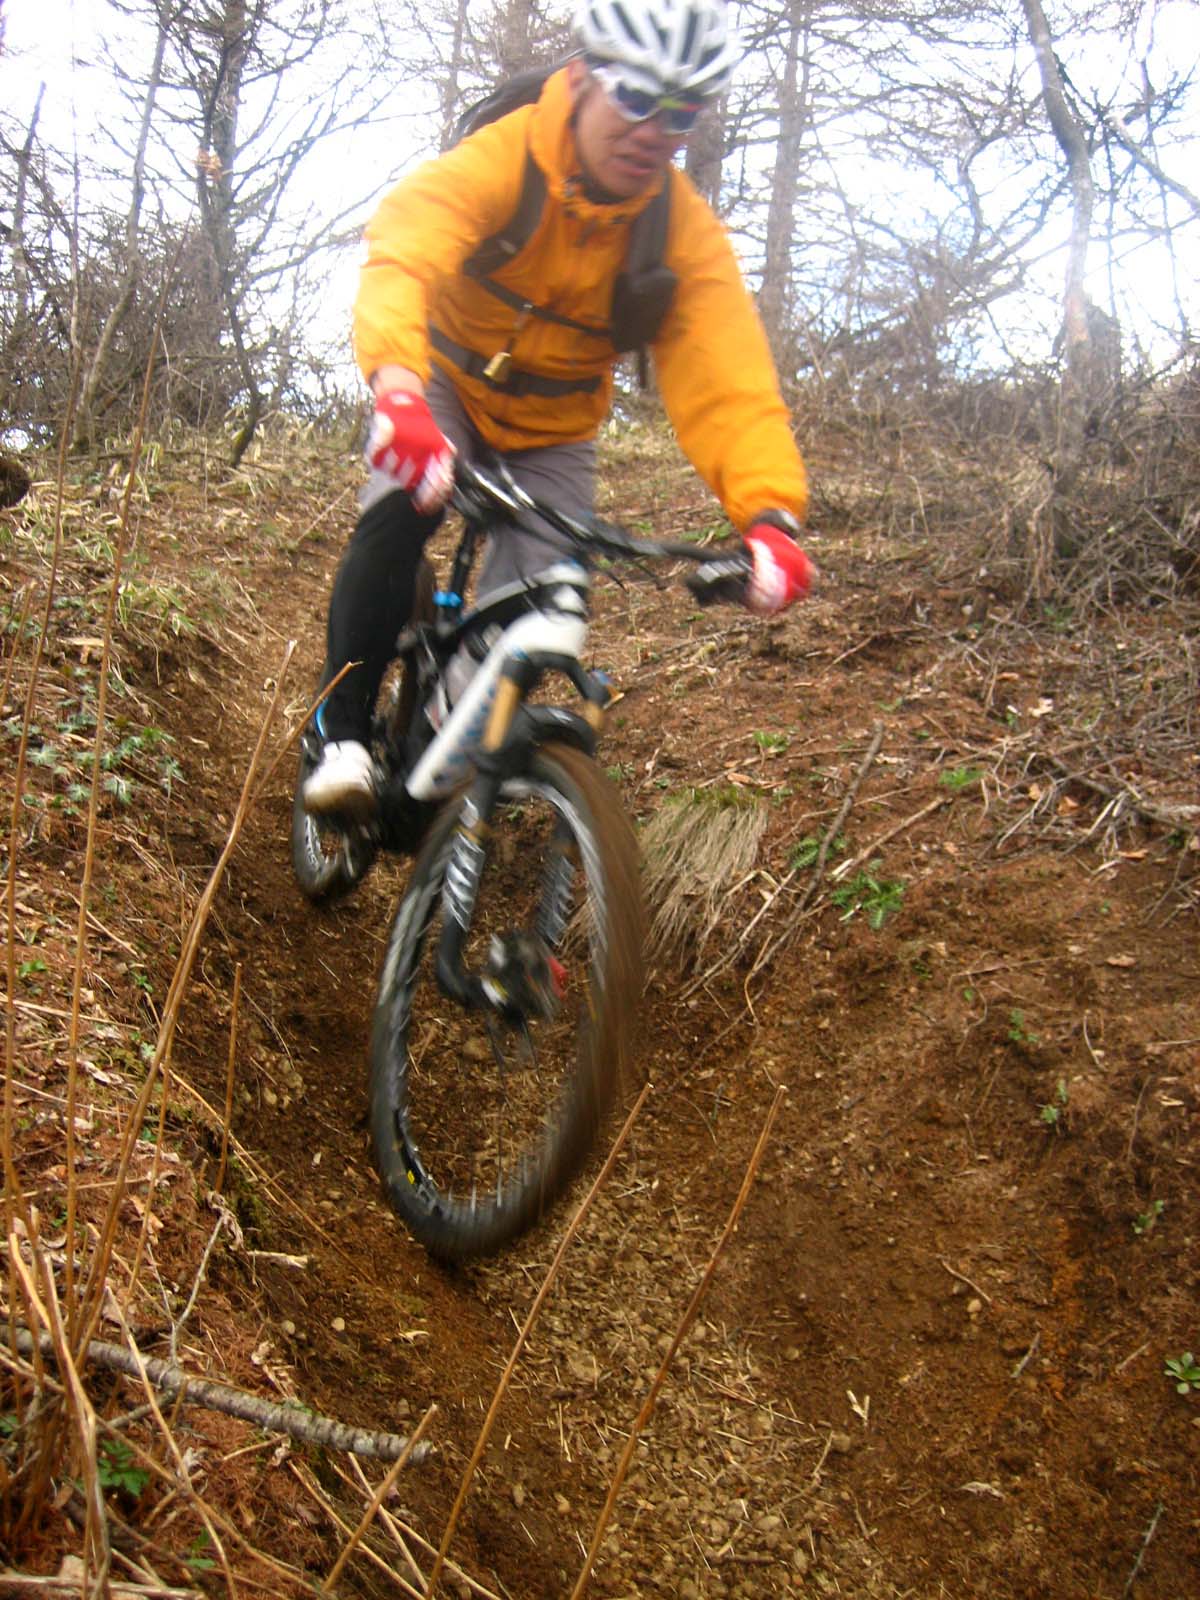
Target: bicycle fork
(522,977)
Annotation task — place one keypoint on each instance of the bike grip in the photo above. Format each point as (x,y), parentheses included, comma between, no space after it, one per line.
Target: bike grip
(721,582)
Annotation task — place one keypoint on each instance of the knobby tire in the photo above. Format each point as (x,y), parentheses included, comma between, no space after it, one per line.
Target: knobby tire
(478,1127)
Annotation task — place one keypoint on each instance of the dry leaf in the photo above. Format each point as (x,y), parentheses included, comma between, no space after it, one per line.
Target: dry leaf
(1120,961)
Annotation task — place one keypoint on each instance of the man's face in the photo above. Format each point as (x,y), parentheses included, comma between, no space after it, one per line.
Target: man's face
(621,157)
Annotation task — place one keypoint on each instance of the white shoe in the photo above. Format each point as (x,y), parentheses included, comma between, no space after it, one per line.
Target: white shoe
(343,781)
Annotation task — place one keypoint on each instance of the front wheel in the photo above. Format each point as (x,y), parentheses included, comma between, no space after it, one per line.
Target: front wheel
(482,1114)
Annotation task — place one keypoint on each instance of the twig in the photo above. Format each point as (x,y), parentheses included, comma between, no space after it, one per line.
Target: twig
(835,827)
(539,1300)
(156,1470)
(181,1466)
(816,1471)
(67,1583)
(681,1330)
(305,1481)
(377,1500)
(93,808)
(1141,1555)
(178,1325)
(386,1519)
(229,1066)
(962,1278)
(1034,1343)
(1137,1111)
(292,546)
(54,1343)
(1132,1357)
(877,844)
(289,1419)
(840,871)
(402,1533)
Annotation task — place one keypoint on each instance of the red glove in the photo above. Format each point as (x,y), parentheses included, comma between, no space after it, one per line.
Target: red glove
(782,572)
(407,443)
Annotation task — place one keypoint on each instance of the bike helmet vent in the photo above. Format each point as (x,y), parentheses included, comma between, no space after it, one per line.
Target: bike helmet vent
(662,44)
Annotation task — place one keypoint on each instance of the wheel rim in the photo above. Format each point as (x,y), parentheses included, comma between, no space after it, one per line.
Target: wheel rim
(483,1115)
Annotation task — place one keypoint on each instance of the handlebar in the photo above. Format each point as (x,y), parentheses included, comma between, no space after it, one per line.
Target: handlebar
(721,574)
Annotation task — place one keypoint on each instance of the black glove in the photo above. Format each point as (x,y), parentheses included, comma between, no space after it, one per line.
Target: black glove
(722,582)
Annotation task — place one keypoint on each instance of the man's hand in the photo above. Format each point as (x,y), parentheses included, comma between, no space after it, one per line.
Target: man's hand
(781,574)
(407,444)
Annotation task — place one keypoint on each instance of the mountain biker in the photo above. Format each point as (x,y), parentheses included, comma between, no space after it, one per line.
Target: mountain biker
(522,363)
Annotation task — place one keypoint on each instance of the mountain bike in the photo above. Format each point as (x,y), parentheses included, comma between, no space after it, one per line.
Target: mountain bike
(504,1014)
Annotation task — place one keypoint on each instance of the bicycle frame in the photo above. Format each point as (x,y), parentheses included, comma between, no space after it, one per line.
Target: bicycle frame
(549,632)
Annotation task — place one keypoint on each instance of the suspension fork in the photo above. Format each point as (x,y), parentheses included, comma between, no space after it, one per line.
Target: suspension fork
(468,850)
(505,751)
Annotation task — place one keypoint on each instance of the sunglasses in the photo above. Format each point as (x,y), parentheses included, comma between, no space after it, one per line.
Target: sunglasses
(678,111)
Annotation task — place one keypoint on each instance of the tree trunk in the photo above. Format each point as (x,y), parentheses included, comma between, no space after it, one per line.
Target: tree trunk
(215,190)
(450,83)
(1076,334)
(705,157)
(515,33)
(775,297)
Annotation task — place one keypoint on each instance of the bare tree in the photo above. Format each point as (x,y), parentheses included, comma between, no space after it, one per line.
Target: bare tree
(130,257)
(776,287)
(1072,140)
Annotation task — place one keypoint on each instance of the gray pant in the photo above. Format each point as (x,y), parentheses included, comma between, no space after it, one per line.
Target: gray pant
(564,475)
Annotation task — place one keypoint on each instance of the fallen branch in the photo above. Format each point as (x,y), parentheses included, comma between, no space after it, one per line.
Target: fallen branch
(267,1414)
(67,1583)
(685,1322)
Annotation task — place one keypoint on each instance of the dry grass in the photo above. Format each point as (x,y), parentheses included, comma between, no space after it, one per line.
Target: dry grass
(700,851)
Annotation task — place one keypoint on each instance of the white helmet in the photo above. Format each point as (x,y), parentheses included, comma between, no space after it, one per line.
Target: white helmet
(662,44)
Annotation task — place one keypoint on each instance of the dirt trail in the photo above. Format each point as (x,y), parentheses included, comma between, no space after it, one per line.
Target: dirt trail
(932,1361)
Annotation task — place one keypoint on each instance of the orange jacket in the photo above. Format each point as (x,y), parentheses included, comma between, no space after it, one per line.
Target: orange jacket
(713,365)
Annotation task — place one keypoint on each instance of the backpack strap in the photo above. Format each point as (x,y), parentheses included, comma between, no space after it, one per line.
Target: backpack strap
(502,247)
(648,235)
(516,233)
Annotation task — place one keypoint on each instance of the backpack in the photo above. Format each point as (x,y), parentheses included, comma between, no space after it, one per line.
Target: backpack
(643,290)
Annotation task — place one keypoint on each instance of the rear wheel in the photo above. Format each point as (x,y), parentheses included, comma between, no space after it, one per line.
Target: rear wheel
(481,1116)
(327,860)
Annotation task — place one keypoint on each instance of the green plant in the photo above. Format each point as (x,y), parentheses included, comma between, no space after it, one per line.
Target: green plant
(866,891)
(1053,1110)
(1184,1372)
(8,1424)
(116,1469)
(806,852)
(1145,1220)
(960,777)
(771,743)
(1017,1031)
(30,969)
(195,1560)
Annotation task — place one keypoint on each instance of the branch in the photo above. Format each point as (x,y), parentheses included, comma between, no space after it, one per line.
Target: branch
(267,1414)
(1121,131)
